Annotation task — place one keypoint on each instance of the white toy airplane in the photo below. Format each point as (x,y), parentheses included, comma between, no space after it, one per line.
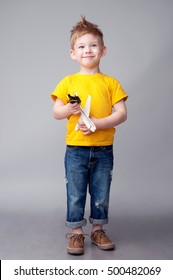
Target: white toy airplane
(84,112)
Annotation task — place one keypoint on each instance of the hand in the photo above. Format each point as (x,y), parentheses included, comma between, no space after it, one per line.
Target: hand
(74,108)
(83,128)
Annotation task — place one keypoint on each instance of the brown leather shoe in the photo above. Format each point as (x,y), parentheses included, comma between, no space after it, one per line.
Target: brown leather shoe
(76,244)
(100,239)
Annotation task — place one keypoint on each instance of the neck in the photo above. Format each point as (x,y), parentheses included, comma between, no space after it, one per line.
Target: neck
(89,71)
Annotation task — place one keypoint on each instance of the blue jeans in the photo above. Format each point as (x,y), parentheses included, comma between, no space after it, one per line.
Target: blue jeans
(88,166)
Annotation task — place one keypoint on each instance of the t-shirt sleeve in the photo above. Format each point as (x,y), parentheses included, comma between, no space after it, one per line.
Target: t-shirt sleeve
(118,93)
(61,91)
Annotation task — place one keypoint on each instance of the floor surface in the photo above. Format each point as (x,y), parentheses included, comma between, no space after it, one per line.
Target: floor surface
(39,236)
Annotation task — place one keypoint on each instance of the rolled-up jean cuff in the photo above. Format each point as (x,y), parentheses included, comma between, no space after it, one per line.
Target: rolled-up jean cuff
(98,222)
(76,224)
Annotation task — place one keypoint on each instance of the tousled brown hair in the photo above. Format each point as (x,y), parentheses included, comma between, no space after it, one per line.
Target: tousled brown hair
(83,27)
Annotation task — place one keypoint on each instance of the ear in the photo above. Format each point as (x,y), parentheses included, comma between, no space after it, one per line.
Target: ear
(104,51)
(72,54)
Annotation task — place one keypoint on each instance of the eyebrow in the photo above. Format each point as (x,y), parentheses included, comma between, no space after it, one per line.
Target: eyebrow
(93,42)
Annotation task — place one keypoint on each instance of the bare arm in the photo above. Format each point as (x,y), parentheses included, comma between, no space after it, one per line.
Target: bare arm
(117,117)
(63,111)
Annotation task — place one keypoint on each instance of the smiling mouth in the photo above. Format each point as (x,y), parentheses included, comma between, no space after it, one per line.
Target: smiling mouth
(88,56)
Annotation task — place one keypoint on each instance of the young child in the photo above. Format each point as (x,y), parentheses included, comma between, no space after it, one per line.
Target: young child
(89,150)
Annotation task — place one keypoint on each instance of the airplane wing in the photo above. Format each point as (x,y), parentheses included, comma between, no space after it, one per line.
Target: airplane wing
(85,116)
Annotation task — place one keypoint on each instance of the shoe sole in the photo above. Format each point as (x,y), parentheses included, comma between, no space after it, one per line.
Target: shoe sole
(75,251)
(104,247)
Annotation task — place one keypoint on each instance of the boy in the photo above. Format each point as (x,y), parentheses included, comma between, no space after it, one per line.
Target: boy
(89,150)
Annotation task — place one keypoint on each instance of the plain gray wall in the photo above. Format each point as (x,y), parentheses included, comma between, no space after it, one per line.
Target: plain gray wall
(34,56)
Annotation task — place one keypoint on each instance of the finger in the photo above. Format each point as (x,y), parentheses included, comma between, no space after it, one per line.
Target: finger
(81,123)
(87,132)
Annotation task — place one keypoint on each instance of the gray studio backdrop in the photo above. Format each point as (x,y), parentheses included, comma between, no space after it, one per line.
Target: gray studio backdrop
(34,56)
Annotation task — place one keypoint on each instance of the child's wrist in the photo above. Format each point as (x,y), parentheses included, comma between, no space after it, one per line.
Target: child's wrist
(68,109)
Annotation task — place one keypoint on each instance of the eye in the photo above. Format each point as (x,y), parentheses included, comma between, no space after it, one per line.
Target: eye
(94,45)
(81,47)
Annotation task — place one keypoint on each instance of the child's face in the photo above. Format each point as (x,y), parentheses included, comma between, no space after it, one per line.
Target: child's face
(88,51)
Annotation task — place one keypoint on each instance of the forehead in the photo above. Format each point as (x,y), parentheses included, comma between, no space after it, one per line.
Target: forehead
(87,38)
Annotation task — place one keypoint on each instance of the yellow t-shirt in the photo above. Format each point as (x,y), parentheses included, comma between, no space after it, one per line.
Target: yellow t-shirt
(105,91)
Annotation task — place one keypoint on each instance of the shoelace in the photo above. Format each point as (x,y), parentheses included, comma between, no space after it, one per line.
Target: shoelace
(101,234)
(77,237)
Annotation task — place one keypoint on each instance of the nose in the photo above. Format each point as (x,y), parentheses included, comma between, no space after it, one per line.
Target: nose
(87,49)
